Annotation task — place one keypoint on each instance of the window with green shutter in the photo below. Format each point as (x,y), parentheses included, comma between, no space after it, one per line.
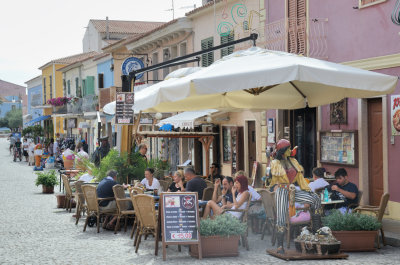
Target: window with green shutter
(83,87)
(207,58)
(90,85)
(69,87)
(225,39)
(77,92)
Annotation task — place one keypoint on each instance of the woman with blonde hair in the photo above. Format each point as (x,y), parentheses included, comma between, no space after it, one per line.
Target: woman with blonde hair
(177,184)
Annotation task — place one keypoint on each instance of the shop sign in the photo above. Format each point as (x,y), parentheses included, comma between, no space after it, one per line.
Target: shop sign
(130,64)
(123,109)
(395,114)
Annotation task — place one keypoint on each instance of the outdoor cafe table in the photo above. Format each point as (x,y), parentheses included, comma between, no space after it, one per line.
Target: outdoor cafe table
(69,172)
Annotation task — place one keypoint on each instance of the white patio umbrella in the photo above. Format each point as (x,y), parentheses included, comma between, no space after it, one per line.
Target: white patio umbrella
(259,79)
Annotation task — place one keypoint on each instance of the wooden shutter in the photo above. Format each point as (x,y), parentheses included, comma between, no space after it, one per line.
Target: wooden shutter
(44,91)
(207,58)
(84,92)
(225,39)
(90,85)
(69,87)
(297,26)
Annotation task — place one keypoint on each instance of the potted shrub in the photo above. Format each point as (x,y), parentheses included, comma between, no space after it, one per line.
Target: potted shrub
(219,237)
(48,179)
(356,231)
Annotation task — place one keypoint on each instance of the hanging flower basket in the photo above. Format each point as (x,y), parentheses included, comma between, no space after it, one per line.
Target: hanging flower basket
(60,101)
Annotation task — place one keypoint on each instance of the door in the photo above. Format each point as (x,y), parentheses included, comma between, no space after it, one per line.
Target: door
(375,151)
(251,144)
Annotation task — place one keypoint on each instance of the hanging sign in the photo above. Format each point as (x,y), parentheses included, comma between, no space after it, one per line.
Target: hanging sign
(395,114)
(123,108)
(130,64)
(180,220)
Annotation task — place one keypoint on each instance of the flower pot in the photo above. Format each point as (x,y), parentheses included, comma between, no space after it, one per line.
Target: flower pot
(217,246)
(356,240)
(46,189)
(68,164)
(60,200)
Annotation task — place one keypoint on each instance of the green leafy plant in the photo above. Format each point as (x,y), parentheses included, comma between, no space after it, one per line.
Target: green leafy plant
(159,166)
(222,225)
(337,221)
(46,178)
(33,131)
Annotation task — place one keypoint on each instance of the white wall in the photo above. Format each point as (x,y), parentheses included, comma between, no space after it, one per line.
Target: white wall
(70,76)
(91,40)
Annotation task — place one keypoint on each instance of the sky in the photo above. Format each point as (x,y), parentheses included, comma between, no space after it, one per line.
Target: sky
(34,32)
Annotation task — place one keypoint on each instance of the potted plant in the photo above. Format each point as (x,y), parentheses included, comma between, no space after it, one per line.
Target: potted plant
(48,179)
(219,236)
(356,232)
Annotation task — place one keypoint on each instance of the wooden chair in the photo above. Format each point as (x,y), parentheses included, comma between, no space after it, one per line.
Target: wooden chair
(164,185)
(93,208)
(243,219)
(268,200)
(378,211)
(81,204)
(123,204)
(207,194)
(148,223)
(68,192)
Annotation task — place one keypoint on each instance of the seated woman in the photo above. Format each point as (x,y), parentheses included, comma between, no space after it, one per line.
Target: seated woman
(177,185)
(239,200)
(150,182)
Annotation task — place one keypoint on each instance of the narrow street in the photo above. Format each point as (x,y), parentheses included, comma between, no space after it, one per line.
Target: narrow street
(34,231)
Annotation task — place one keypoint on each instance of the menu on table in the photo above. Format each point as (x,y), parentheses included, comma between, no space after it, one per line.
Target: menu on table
(180,217)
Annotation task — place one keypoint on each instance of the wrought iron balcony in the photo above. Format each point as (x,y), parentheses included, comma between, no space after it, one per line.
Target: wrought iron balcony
(300,36)
(74,106)
(90,103)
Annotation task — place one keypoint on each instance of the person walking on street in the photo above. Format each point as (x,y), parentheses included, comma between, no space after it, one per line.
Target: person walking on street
(25,147)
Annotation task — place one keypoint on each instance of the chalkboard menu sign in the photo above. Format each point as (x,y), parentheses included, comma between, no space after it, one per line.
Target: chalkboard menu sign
(179,219)
(339,147)
(124,111)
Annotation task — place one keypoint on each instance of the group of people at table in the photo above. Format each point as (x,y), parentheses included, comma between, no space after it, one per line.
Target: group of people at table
(286,179)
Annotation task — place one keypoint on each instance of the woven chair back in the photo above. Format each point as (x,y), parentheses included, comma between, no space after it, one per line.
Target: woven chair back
(138,190)
(268,200)
(79,191)
(89,191)
(169,180)
(119,193)
(207,194)
(164,185)
(67,186)
(209,184)
(246,211)
(382,206)
(145,207)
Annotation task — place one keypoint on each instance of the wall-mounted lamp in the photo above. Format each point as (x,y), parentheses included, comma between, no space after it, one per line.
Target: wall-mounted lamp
(158,116)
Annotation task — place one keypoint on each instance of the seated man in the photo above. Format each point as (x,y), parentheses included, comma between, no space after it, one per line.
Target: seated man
(226,193)
(215,173)
(104,190)
(194,183)
(319,181)
(344,190)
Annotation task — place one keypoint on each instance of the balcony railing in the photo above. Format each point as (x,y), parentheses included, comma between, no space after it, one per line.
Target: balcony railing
(90,103)
(307,37)
(74,106)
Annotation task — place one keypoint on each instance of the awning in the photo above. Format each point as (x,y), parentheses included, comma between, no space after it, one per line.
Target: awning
(38,119)
(83,125)
(187,119)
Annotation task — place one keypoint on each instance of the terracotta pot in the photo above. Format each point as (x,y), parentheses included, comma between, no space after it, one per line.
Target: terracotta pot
(68,164)
(356,240)
(217,246)
(46,189)
(60,200)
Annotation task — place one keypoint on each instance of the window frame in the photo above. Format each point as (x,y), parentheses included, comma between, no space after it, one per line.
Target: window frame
(361,5)
(208,58)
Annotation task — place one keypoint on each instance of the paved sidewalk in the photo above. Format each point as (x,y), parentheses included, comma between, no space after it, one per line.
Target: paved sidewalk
(34,231)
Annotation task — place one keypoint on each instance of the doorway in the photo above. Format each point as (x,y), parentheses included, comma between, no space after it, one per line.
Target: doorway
(375,151)
(301,130)
(251,144)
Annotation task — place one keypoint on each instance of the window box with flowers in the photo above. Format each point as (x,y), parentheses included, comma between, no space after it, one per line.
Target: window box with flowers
(59,104)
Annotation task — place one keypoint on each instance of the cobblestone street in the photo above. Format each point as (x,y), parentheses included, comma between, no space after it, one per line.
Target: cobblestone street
(34,231)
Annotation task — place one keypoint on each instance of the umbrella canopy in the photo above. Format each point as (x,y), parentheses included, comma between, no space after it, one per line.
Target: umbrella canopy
(259,79)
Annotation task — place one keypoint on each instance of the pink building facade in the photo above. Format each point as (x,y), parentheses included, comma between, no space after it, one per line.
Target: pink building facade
(359,36)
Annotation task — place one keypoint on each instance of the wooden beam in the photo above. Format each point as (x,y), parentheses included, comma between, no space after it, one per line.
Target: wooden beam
(206,142)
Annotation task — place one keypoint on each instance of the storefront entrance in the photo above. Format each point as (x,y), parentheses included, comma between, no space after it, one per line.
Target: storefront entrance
(375,151)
